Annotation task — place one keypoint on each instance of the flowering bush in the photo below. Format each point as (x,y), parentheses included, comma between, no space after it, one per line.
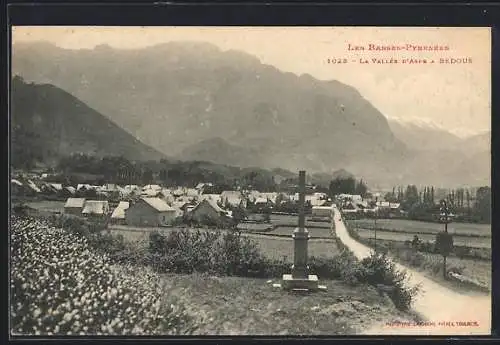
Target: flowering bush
(60,285)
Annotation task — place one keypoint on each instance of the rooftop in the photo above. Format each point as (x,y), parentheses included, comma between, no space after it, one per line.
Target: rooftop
(75,202)
(158,204)
(119,211)
(95,207)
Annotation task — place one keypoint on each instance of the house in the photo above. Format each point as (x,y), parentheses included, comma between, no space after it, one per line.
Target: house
(233,198)
(57,186)
(70,190)
(349,207)
(150,192)
(132,187)
(47,188)
(96,208)
(260,201)
(200,187)
(350,197)
(208,212)
(270,196)
(252,195)
(33,187)
(82,186)
(74,206)
(150,212)
(152,186)
(214,197)
(394,206)
(192,193)
(111,187)
(118,215)
(383,204)
(178,192)
(322,212)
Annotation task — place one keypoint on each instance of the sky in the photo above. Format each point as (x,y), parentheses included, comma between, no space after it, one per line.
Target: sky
(456,97)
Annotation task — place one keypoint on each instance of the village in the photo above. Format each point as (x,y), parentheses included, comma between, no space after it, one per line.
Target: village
(155,205)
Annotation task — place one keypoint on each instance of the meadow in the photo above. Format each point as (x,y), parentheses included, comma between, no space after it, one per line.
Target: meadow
(418,227)
(271,247)
(474,242)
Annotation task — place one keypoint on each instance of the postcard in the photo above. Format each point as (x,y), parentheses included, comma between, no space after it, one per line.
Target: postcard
(250,181)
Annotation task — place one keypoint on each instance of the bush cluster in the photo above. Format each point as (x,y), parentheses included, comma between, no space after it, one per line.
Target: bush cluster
(221,252)
(61,286)
(379,269)
(229,253)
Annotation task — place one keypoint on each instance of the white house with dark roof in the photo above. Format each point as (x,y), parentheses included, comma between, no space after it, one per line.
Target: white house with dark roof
(208,211)
(150,212)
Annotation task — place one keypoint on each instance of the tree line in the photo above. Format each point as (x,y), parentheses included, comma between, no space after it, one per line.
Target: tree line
(424,204)
(114,169)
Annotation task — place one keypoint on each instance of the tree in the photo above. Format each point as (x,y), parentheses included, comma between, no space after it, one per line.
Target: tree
(147,176)
(239,214)
(361,188)
(482,206)
(342,185)
(390,197)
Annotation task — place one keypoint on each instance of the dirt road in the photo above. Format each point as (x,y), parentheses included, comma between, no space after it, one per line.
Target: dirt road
(437,304)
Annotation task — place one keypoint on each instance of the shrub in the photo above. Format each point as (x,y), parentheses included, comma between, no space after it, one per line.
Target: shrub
(59,285)
(379,269)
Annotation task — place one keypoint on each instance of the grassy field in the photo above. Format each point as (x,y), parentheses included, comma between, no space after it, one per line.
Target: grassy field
(431,264)
(474,242)
(282,247)
(243,306)
(412,226)
(272,247)
(313,232)
(292,221)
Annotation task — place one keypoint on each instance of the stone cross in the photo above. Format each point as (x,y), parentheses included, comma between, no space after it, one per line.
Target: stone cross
(300,236)
(300,279)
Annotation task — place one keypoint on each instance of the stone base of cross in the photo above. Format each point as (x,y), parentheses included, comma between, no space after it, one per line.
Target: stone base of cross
(300,279)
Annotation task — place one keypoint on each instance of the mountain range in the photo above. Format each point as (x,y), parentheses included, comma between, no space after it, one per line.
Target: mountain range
(193,101)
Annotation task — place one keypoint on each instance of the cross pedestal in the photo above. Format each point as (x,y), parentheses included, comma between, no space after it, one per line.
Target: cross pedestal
(300,279)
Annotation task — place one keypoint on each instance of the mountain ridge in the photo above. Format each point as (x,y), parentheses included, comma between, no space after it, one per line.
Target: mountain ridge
(53,123)
(190,93)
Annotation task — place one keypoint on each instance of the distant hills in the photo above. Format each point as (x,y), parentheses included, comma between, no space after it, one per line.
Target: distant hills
(192,101)
(50,123)
(425,137)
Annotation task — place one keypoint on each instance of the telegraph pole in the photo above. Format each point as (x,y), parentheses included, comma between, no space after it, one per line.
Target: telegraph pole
(444,241)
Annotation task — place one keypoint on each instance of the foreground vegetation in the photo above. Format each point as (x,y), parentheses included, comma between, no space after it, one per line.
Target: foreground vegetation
(61,286)
(73,277)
